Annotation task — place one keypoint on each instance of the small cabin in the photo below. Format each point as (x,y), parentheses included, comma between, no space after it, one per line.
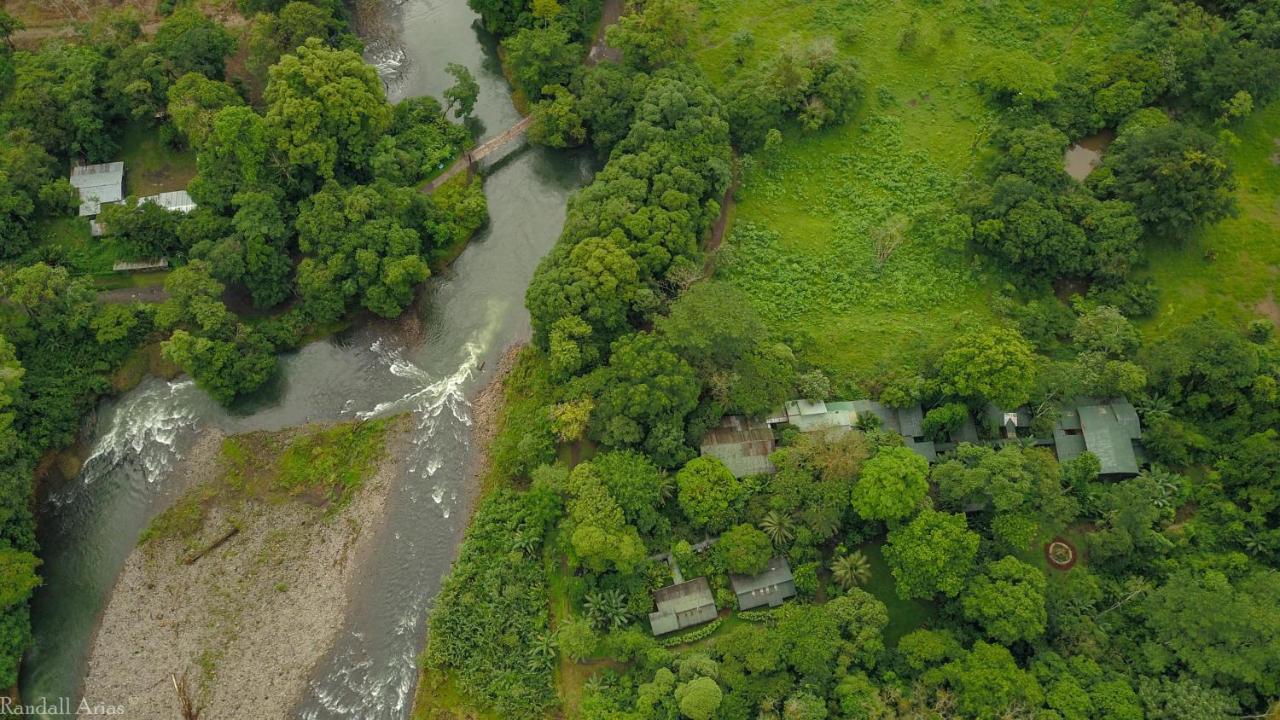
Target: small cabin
(98,185)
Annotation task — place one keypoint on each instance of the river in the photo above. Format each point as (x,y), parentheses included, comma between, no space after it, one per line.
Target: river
(466,317)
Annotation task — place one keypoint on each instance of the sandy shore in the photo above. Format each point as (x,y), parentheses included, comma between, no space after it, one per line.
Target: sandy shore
(247,621)
(486,409)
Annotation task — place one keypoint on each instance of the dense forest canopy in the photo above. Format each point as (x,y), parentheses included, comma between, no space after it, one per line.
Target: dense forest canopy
(924,589)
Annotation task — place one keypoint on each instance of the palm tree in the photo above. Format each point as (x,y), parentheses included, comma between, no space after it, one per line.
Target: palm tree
(823,521)
(851,570)
(778,527)
(524,541)
(606,609)
(666,487)
(543,652)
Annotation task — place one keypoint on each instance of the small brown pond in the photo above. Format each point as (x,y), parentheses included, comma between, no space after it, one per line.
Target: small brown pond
(1086,154)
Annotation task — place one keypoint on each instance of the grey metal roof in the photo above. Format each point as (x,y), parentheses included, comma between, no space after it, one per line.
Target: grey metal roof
(682,605)
(770,587)
(175,200)
(911,421)
(98,184)
(1067,445)
(1106,437)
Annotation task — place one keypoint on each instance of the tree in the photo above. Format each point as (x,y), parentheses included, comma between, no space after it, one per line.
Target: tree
(746,550)
(707,492)
(851,570)
(642,398)
(932,554)
(1015,77)
(1176,177)
(606,609)
(699,698)
(1104,329)
(461,95)
(146,228)
(595,281)
(1225,633)
(1007,600)
(225,369)
(779,527)
(326,110)
(596,526)
(235,156)
(194,100)
(540,57)
(891,485)
(556,122)
(192,43)
(989,363)
(988,683)
(655,37)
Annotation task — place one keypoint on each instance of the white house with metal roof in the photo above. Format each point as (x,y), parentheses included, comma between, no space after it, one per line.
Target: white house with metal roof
(98,184)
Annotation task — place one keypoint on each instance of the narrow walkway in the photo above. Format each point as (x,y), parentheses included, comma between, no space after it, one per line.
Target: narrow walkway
(469,159)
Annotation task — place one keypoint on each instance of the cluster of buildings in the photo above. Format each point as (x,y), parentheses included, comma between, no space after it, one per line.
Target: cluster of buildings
(687,603)
(103,184)
(1108,428)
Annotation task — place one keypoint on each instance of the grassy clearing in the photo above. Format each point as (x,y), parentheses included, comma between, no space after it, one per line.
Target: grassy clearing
(324,466)
(801,238)
(150,166)
(904,615)
(1233,268)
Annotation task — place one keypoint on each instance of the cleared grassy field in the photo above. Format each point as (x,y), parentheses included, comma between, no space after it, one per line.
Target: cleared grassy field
(1233,268)
(801,241)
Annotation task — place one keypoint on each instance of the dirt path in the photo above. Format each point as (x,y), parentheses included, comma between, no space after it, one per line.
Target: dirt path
(148,294)
(600,51)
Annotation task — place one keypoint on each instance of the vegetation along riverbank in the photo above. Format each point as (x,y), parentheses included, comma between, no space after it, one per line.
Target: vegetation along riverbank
(949,431)
(236,591)
(248,157)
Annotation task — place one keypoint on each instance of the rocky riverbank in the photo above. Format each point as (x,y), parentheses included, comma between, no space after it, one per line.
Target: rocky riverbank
(236,593)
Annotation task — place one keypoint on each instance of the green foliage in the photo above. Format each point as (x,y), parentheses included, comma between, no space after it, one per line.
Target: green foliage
(933,554)
(1007,600)
(597,529)
(988,682)
(707,493)
(556,122)
(1223,631)
(745,550)
(991,364)
(641,398)
(326,109)
(194,100)
(494,662)
(461,95)
(1175,176)
(699,698)
(541,57)
(891,485)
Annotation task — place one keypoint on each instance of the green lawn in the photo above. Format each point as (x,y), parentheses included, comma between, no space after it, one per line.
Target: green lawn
(802,248)
(904,615)
(150,166)
(1232,268)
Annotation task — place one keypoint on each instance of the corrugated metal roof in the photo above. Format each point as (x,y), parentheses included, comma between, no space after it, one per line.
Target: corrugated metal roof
(1105,437)
(683,605)
(744,452)
(175,200)
(777,572)
(98,184)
